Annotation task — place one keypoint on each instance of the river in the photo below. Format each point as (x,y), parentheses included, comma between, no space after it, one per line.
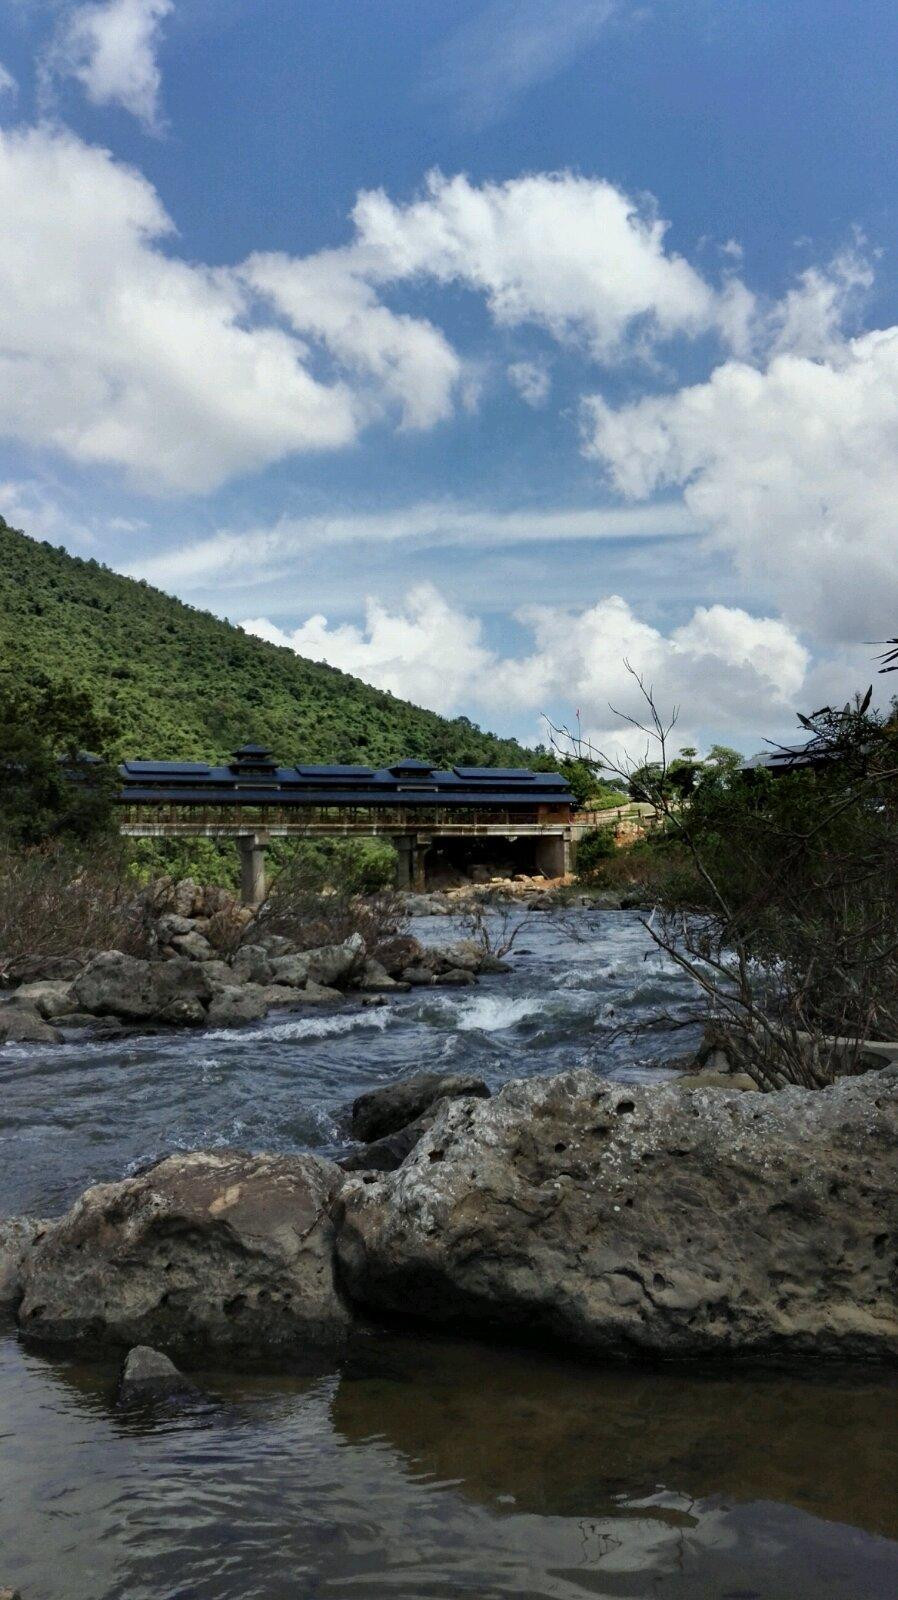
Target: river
(424,1469)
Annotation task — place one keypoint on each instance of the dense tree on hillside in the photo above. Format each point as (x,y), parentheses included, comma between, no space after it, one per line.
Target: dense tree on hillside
(177,682)
(48,790)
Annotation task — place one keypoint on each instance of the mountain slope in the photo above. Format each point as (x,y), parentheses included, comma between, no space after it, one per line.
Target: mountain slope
(180,682)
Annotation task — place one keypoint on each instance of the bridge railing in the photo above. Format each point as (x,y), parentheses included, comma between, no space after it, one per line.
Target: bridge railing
(355,819)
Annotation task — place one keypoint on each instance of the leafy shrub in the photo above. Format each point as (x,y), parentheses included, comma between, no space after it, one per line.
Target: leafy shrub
(594,848)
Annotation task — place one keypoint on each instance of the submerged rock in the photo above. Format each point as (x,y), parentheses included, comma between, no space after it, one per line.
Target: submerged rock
(630,1221)
(148,1376)
(206,1252)
(383,1111)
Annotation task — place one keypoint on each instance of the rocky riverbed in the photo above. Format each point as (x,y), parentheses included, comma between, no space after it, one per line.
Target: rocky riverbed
(608,1210)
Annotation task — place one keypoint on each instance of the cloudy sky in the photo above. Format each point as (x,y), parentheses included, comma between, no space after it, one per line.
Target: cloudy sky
(475,348)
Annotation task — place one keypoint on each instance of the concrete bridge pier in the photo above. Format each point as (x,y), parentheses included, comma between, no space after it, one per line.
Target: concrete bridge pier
(554,855)
(253,879)
(410,855)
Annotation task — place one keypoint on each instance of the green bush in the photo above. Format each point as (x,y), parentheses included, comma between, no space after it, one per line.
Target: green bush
(594,848)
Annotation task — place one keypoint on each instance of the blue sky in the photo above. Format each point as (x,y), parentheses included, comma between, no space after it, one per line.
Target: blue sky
(474,348)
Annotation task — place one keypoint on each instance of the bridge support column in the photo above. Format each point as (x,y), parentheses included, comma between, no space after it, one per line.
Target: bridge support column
(405,862)
(253,882)
(410,855)
(554,855)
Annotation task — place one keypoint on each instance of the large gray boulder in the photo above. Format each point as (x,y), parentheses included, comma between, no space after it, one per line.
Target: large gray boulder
(23,1025)
(17,1235)
(383,1111)
(627,1221)
(117,985)
(205,1253)
(245,1002)
(333,964)
(251,964)
(290,971)
(194,945)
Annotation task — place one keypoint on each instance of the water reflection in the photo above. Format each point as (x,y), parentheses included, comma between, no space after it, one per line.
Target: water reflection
(435,1471)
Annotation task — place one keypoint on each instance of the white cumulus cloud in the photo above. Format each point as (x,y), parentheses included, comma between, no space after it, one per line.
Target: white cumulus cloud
(322,295)
(428,653)
(794,469)
(575,256)
(110,48)
(113,352)
(730,671)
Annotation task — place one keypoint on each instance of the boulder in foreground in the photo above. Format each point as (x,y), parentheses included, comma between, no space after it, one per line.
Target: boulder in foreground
(630,1221)
(17,1235)
(207,1252)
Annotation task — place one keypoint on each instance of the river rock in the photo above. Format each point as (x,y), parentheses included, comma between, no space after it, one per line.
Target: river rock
(208,1252)
(417,977)
(42,969)
(374,978)
(251,964)
(626,1220)
(184,1012)
(334,963)
(219,974)
(17,1234)
(245,1002)
(382,1111)
(388,1153)
(186,898)
(49,1000)
(194,945)
(319,994)
(279,996)
(403,950)
(125,986)
(22,1025)
(275,945)
(171,926)
(148,1376)
(291,970)
(465,955)
(457,978)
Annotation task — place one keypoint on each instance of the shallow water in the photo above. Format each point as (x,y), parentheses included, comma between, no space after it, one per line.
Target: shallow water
(81,1112)
(426,1469)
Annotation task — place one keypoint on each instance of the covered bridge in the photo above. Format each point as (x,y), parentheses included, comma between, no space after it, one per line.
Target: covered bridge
(417,806)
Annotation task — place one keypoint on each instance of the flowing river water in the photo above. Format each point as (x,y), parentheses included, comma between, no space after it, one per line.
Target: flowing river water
(424,1469)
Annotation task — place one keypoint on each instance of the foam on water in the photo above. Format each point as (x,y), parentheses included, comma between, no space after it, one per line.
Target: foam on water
(493,1013)
(313,1028)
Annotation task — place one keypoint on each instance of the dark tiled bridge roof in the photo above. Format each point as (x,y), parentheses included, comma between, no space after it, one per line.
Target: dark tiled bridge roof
(252,778)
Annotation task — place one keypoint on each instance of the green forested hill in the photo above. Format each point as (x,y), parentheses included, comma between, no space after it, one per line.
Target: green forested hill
(179,682)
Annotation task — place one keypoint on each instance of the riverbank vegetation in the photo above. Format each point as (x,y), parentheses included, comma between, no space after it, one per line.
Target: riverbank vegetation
(776,892)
